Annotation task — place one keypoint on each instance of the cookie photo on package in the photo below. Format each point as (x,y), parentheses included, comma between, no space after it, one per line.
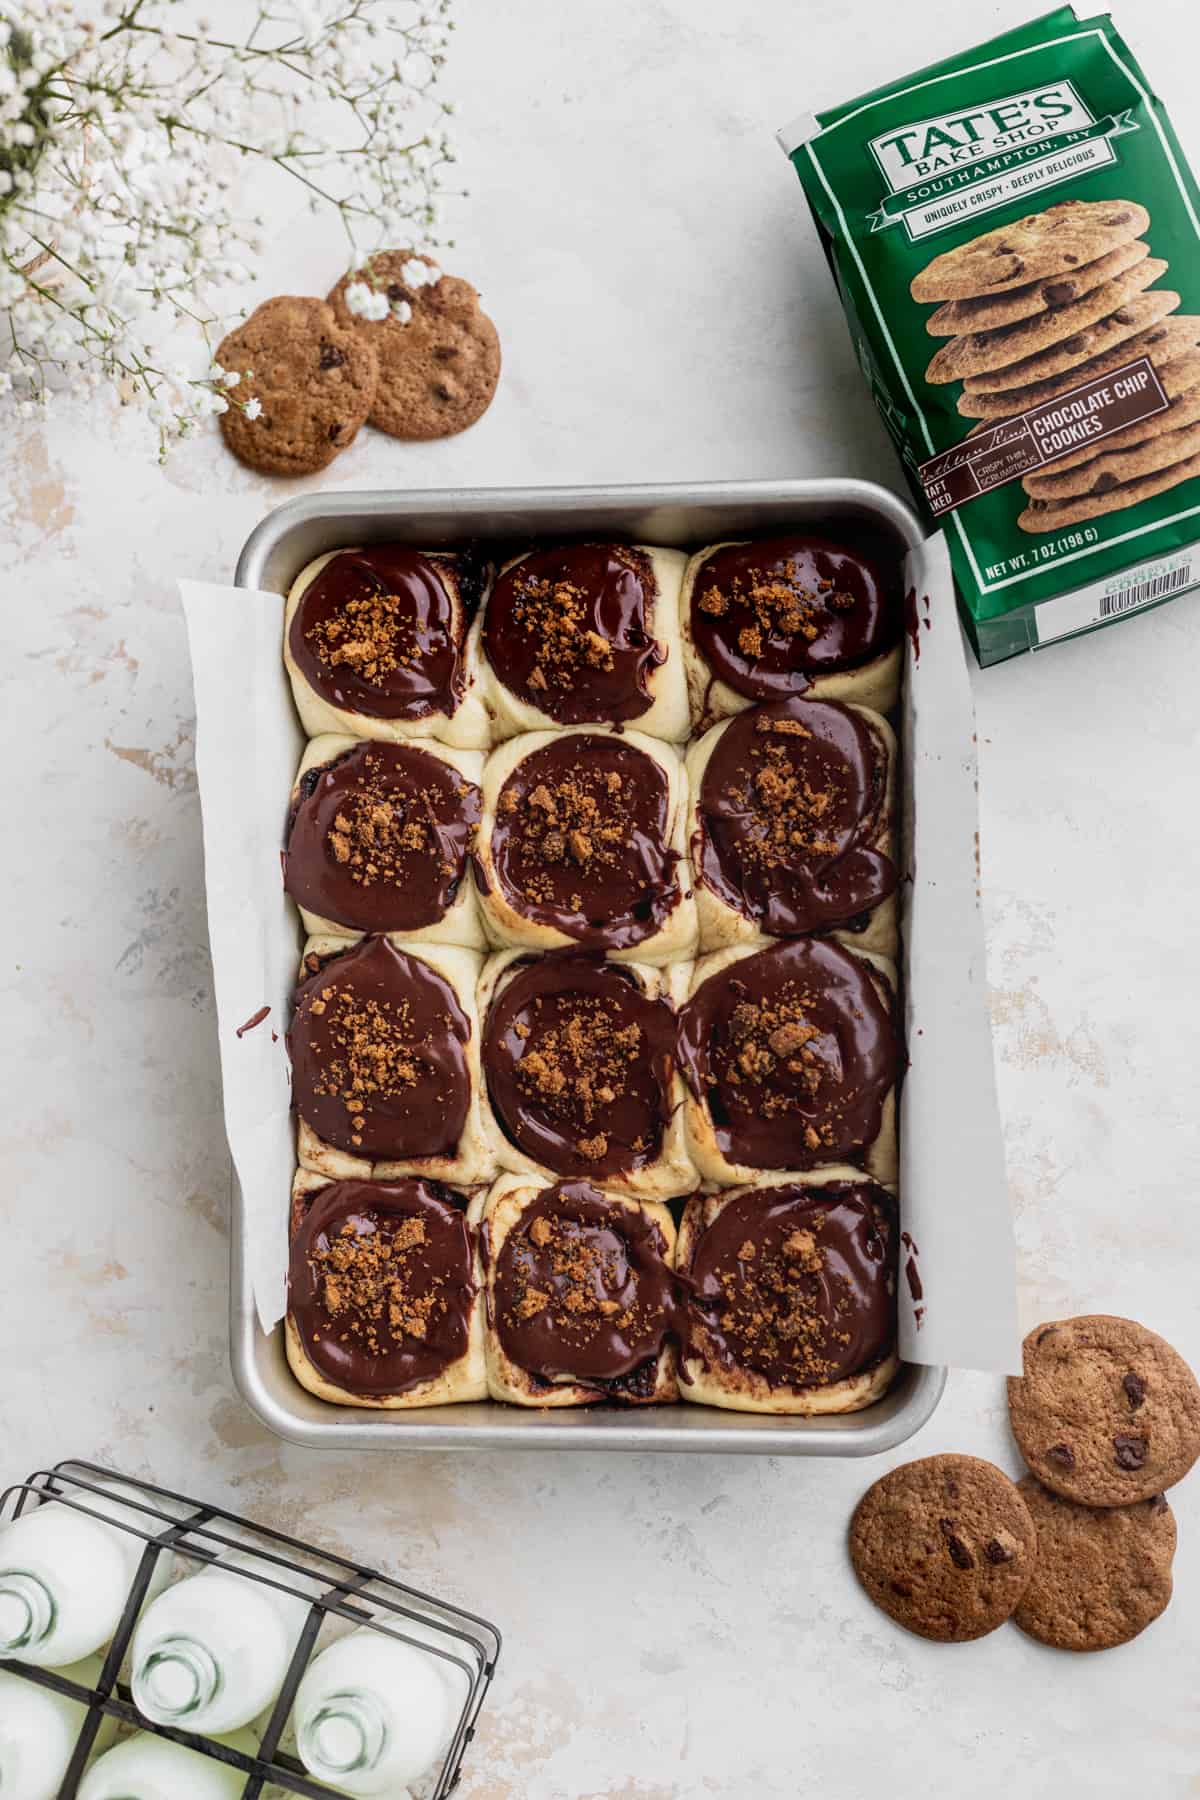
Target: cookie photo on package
(1015,237)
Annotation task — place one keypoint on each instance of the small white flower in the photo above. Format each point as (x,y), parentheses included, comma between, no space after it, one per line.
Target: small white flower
(365,302)
(401,311)
(231,377)
(418,274)
(253,409)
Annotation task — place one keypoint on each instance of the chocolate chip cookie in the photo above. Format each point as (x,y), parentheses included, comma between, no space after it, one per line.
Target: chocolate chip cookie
(1063,237)
(1113,469)
(439,354)
(1049,515)
(989,312)
(1162,345)
(1102,1573)
(945,1546)
(1105,334)
(974,356)
(1106,1413)
(307,385)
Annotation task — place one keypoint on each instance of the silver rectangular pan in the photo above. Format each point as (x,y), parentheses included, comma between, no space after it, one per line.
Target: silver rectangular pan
(686,516)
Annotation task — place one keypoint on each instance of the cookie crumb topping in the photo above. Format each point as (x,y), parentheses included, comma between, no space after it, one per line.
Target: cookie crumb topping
(368,635)
(553,614)
(577,820)
(374,1054)
(364,1280)
(581,1066)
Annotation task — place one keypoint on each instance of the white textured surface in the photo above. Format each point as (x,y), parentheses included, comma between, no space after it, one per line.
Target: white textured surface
(675,1627)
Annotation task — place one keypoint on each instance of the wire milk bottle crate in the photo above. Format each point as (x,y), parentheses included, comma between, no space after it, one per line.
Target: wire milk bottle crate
(377,1686)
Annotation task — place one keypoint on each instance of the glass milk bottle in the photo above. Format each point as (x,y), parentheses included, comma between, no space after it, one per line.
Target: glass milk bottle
(212,1653)
(65,1577)
(372,1713)
(38,1729)
(151,1768)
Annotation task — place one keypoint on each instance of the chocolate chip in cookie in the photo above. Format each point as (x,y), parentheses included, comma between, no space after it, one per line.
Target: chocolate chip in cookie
(945,1546)
(439,354)
(1102,1573)
(307,385)
(1106,1413)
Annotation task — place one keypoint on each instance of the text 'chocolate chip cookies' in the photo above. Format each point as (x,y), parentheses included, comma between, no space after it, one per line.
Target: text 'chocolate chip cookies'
(1033,310)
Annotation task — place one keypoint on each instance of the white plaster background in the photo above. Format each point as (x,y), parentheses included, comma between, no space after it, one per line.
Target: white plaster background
(675,1627)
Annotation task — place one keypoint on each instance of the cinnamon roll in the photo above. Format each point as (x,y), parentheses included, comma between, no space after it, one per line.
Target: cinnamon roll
(581,1298)
(790,1057)
(384,1042)
(789,1294)
(583,842)
(379,838)
(385,1304)
(777,617)
(376,644)
(791,827)
(582,634)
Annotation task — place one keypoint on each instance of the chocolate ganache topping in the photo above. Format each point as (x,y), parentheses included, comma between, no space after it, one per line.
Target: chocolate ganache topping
(790,805)
(579,841)
(378,1046)
(770,617)
(578,1063)
(796,1284)
(379,838)
(794,1051)
(377,632)
(582,1291)
(568,630)
(381,1283)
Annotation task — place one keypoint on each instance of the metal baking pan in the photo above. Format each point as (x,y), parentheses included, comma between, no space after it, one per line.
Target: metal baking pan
(685,515)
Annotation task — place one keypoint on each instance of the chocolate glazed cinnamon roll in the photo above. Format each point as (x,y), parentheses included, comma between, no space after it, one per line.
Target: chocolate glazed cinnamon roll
(583,843)
(584,633)
(791,825)
(379,839)
(582,1301)
(376,644)
(384,1293)
(789,1295)
(384,1045)
(580,1074)
(790,1057)
(785,616)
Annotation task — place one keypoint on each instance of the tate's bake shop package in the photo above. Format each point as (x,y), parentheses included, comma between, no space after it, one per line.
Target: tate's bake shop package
(594,907)
(1015,237)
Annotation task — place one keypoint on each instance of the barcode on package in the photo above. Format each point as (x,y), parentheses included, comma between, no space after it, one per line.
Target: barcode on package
(1088,607)
(1158,589)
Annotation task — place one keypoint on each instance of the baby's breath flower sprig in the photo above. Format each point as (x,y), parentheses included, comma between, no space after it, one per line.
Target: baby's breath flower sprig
(125,131)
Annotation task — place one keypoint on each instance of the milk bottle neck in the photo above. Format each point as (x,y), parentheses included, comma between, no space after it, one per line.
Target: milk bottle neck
(27,1611)
(177,1678)
(345,1735)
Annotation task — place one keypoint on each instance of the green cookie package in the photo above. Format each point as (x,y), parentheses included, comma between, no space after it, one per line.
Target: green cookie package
(1015,237)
